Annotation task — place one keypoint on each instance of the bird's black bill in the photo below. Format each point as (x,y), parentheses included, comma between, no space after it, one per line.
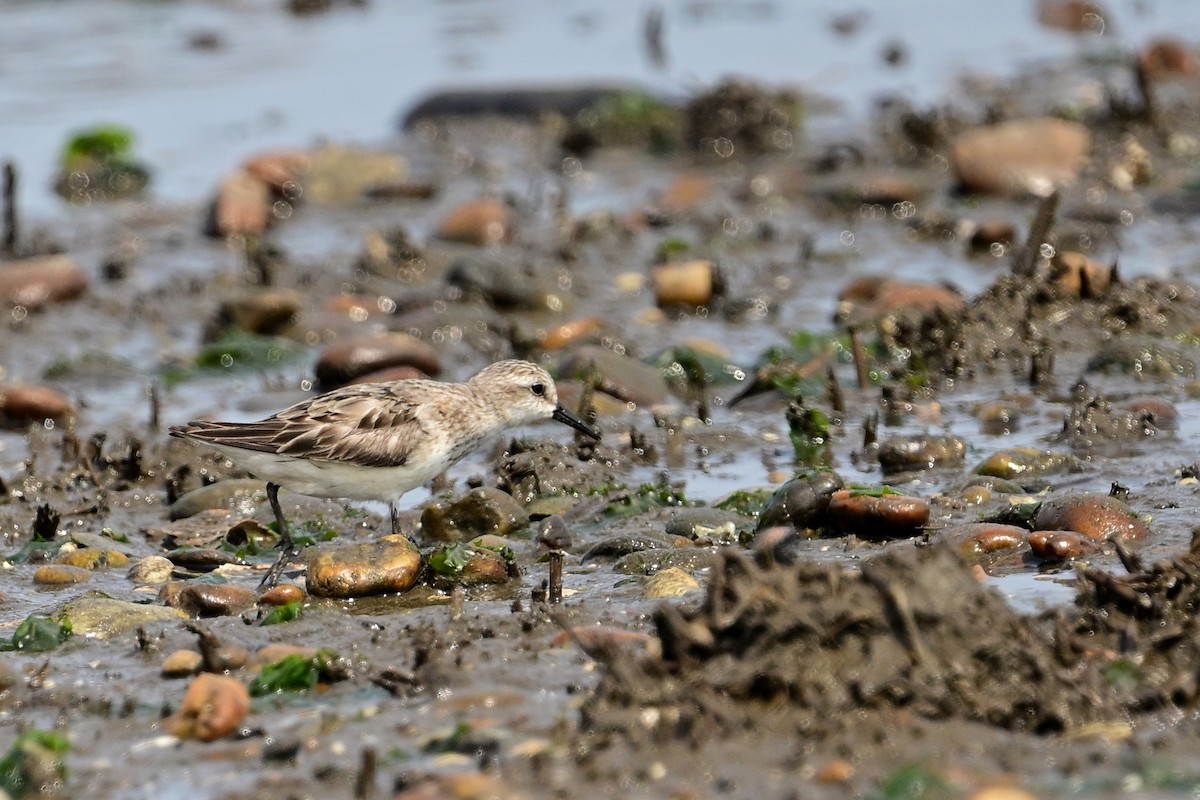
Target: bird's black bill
(567,418)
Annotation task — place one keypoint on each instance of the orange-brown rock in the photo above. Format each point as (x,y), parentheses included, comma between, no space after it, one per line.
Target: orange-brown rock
(1076,16)
(23,404)
(877,516)
(1168,58)
(1022,156)
(281,170)
(479,222)
(36,282)
(686,283)
(1096,516)
(243,206)
(1077,275)
(214,707)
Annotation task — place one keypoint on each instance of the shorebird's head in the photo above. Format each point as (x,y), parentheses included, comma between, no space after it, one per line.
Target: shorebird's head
(526,393)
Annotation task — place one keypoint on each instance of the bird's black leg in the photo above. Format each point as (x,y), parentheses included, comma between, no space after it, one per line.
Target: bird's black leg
(287,547)
(395,520)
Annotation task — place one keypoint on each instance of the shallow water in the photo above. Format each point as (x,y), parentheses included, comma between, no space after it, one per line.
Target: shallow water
(275,80)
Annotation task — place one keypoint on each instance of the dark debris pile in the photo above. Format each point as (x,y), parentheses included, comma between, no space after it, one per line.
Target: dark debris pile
(914,631)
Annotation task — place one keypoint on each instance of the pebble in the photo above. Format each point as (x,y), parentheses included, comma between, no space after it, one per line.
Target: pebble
(1096,516)
(479,511)
(685,193)
(359,569)
(279,169)
(648,562)
(1061,545)
(93,558)
(690,284)
(1076,16)
(1161,412)
(976,539)
(1168,57)
(151,571)
(265,311)
(60,575)
(281,595)
(868,516)
(597,639)
(344,361)
(1021,156)
(920,451)
(1076,275)
(99,617)
(505,282)
(241,495)
(567,334)
(338,175)
(214,600)
(242,206)
(1024,462)
(621,376)
(479,222)
(670,582)
(214,707)
(484,567)
(26,404)
(277,651)
(36,282)
(182,664)
(801,502)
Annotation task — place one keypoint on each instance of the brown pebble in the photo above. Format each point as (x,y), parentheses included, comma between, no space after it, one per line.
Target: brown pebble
(359,569)
(24,404)
(265,311)
(389,374)
(1162,412)
(182,664)
(869,516)
(1076,275)
(1020,156)
(243,206)
(685,193)
(276,652)
(214,707)
(281,595)
(1076,16)
(569,333)
(691,284)
(992,232)
(1060,545)
(35,282)
(93,558)
(1168,58)
(60,575)
(343,362)
(598,638)
(1096,516)
(215,600)
(479,222)
(976,539)
(280,169)
(836,771)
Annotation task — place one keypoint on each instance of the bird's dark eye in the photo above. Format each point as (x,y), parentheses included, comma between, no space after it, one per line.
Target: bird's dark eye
(538,389)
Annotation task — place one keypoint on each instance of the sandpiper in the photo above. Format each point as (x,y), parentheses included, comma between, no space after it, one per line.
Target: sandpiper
(376,441)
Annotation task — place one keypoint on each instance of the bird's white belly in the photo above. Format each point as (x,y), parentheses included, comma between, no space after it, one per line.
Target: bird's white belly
(334,478)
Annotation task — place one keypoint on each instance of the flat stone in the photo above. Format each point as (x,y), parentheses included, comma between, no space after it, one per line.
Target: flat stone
(103,617)
(388,565)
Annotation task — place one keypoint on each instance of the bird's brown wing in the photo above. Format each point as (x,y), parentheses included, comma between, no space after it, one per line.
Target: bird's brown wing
(368,425)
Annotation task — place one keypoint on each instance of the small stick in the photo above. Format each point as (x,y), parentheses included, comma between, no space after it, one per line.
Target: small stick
(860,359)
(458,598)
(155,405)
(1025,258)
(837,401)
(364,783)
(556,581)
(9,242)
